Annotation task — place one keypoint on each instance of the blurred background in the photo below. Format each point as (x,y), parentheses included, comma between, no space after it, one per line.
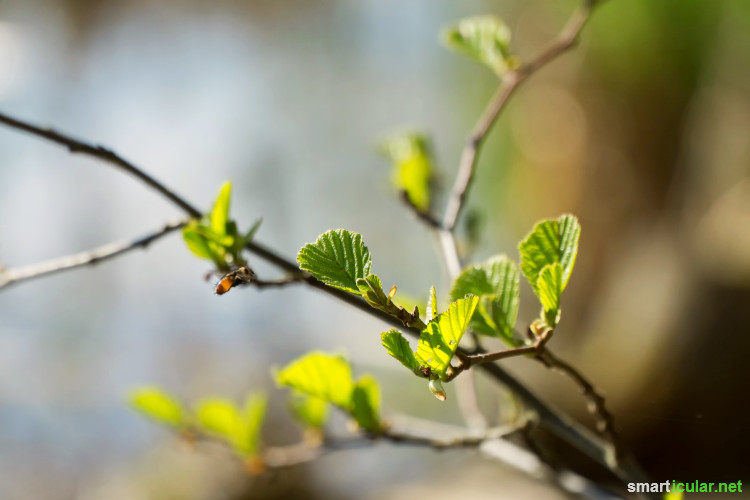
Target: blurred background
(641,131)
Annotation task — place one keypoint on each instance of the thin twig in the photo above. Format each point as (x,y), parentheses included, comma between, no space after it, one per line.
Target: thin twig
(480,358)
(76,146)
(597,403)
(425,217)
(455,438)
(289,279)
(87,258)
(511,81)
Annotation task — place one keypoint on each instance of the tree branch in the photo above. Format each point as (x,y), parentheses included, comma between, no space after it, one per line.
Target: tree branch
(448,437)
(597,403)
(76,146)
(511,81)
(289,279)
(87,258)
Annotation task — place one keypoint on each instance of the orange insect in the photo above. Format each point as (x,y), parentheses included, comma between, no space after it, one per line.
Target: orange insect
(242,276)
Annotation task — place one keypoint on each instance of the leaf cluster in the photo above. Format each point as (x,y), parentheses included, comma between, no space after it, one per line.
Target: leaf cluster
(215,236)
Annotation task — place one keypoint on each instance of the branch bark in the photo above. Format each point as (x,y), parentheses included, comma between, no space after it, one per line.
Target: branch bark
(88,258)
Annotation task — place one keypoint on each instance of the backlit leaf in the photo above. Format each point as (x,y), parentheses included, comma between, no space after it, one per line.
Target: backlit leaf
(497,283)
(220,417)
(321,375)
(550,289)
(338,258)
(398,347)
(439,340)
(432,305)
(240,428)
(412,171)
(310,411)
(485,39)
(158,405)
(220,213)
(552,242)
(366,404)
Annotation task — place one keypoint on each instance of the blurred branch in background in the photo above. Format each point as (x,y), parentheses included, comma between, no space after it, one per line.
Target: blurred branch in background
(88,258)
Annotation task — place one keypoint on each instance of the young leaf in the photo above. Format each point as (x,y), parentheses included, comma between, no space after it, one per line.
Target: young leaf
(321,375)
(548,255)
(255,413)
(432,305)
(366,404)
(241,429)
(371,290)
(310,411)
(497,283)
(412,167)
(197,243)
(398,347)
(221,418)
(158,405)
(485,39)
(220,214)
(439,341)
(550,242)
(550,288)
(338,259)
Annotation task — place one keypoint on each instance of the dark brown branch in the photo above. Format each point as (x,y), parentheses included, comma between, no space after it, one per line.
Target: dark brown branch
(76,146)
(425,217)
(480,358)
(87,258)
(281,282)
(597,403)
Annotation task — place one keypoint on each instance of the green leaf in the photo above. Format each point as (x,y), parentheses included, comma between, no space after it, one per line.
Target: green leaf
(255,414)
(338,258)
(551,242)
(197,242)
(241,429)
(220,417)
(220,214)
(372,290)
(366,404)
(485,39)
(412,167)
(550,288)
(432,310)
(310,411)
(321,375)
(158,405)
(398,347)
(497,283)
(439,340)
